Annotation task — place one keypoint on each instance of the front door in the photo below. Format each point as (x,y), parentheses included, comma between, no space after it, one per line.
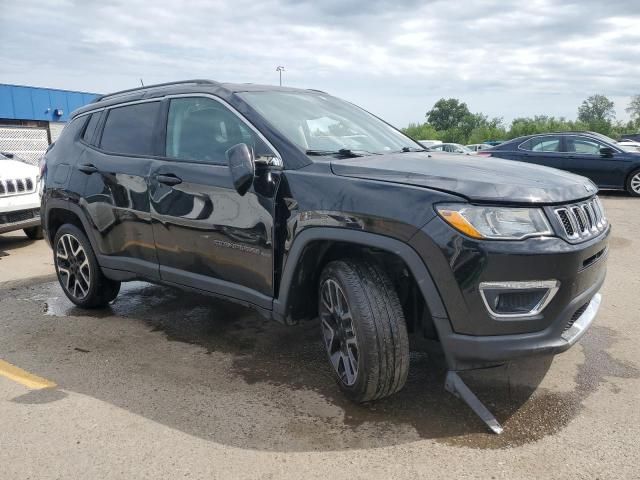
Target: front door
(582,156)
(207,235)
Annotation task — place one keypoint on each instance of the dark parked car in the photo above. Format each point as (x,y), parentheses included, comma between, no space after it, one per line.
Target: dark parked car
(304,206)
(596,156)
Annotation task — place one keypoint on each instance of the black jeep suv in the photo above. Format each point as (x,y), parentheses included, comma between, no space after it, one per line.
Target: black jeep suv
(305,206)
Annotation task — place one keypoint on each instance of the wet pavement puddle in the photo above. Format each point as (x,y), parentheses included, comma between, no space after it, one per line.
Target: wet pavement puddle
(292,362)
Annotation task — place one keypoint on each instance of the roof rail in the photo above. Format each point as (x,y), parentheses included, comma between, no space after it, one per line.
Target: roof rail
(197,81)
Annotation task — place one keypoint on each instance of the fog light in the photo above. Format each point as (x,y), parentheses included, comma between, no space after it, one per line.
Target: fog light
(517,299)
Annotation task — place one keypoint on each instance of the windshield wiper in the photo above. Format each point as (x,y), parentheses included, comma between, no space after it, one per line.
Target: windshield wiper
(343,152)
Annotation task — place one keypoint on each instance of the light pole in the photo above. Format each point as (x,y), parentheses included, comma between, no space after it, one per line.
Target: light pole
(280,69)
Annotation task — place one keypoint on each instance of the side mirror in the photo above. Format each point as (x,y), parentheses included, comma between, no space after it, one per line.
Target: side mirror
(607,152)
(242,166)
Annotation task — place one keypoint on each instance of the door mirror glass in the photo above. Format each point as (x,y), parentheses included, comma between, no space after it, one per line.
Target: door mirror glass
(607,151)
(242,166)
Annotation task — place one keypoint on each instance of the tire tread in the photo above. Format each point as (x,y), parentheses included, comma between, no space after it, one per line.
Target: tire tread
(381,321)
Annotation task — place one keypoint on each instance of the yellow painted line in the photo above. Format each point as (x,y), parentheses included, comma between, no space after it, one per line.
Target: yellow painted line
(23,377)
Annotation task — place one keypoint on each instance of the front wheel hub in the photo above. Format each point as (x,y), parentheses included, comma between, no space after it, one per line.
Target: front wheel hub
(338,332)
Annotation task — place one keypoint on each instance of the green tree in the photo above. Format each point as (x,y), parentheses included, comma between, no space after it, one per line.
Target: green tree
(422,131)
(448,114)
(596,110)
(634,110)
(541,124)
(486,129)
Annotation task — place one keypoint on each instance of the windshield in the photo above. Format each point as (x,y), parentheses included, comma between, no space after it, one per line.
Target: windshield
(321,123)
(626,148)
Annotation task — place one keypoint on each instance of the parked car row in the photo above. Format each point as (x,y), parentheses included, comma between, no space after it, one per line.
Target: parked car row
(452,148)
(476,147)
(439,146)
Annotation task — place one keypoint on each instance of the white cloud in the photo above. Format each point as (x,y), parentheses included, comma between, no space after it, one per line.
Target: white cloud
(395,58)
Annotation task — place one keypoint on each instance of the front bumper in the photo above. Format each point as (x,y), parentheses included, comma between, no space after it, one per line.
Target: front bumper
(471,337)
(468,351)
(18,220)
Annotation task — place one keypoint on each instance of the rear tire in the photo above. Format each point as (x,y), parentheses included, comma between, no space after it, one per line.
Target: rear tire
(34,233)
(363,329)
(633,184)
(78,271)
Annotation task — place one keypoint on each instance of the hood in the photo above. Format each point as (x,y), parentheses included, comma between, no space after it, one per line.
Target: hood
(10,169)
(482,179)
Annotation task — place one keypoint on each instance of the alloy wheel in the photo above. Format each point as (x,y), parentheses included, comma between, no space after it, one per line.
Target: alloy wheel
(635,183)
(73,266)
(338,333)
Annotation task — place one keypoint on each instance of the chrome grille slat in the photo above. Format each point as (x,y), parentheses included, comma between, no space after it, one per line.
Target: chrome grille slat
(17,186)
(587,215)
(581,221)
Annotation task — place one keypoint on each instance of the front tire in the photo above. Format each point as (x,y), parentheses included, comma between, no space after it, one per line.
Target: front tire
(633,184)
(78,271)
(363,329)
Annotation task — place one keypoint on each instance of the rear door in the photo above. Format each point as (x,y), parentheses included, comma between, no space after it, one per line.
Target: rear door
(582,156)
(116,198)
(542,150)
(207,235)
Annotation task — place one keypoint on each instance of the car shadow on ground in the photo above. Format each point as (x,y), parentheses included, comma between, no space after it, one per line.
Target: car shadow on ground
(10,243)
(258,384)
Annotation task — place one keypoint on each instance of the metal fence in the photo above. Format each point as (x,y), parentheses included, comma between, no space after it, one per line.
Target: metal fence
(27,143)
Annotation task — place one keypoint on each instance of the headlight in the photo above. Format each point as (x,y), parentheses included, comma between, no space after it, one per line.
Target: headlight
(495,223)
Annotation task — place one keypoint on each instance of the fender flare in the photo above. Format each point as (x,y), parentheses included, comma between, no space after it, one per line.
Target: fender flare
(54,203)
(413,261)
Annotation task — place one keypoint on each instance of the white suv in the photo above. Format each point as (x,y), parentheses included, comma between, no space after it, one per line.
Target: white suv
(19,197)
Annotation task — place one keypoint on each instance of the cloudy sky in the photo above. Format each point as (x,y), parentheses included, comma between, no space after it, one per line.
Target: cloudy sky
(504,58)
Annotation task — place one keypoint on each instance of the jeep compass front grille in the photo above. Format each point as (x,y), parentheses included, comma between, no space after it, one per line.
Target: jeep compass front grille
(16,186)
(582,221)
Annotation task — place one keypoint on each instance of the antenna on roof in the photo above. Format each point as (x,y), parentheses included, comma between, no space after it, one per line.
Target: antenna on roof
(280,69)
(141,82)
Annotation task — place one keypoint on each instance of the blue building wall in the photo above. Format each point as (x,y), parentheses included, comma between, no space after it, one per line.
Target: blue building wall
(19,102)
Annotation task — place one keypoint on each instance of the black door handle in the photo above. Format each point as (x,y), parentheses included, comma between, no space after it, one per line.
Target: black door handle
(87,168)
(168,179)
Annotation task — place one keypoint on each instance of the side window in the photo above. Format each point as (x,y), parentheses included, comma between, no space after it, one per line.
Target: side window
(584,145)
(71,130)
(129,129)
(202,129)
(90,129)
(542,144)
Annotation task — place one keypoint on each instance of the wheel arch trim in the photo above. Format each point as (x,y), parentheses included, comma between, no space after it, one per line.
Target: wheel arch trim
(419,270)
(67,205)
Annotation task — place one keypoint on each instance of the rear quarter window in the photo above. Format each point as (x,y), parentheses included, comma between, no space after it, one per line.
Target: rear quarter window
(71,131)
(541,144)
(90,129)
